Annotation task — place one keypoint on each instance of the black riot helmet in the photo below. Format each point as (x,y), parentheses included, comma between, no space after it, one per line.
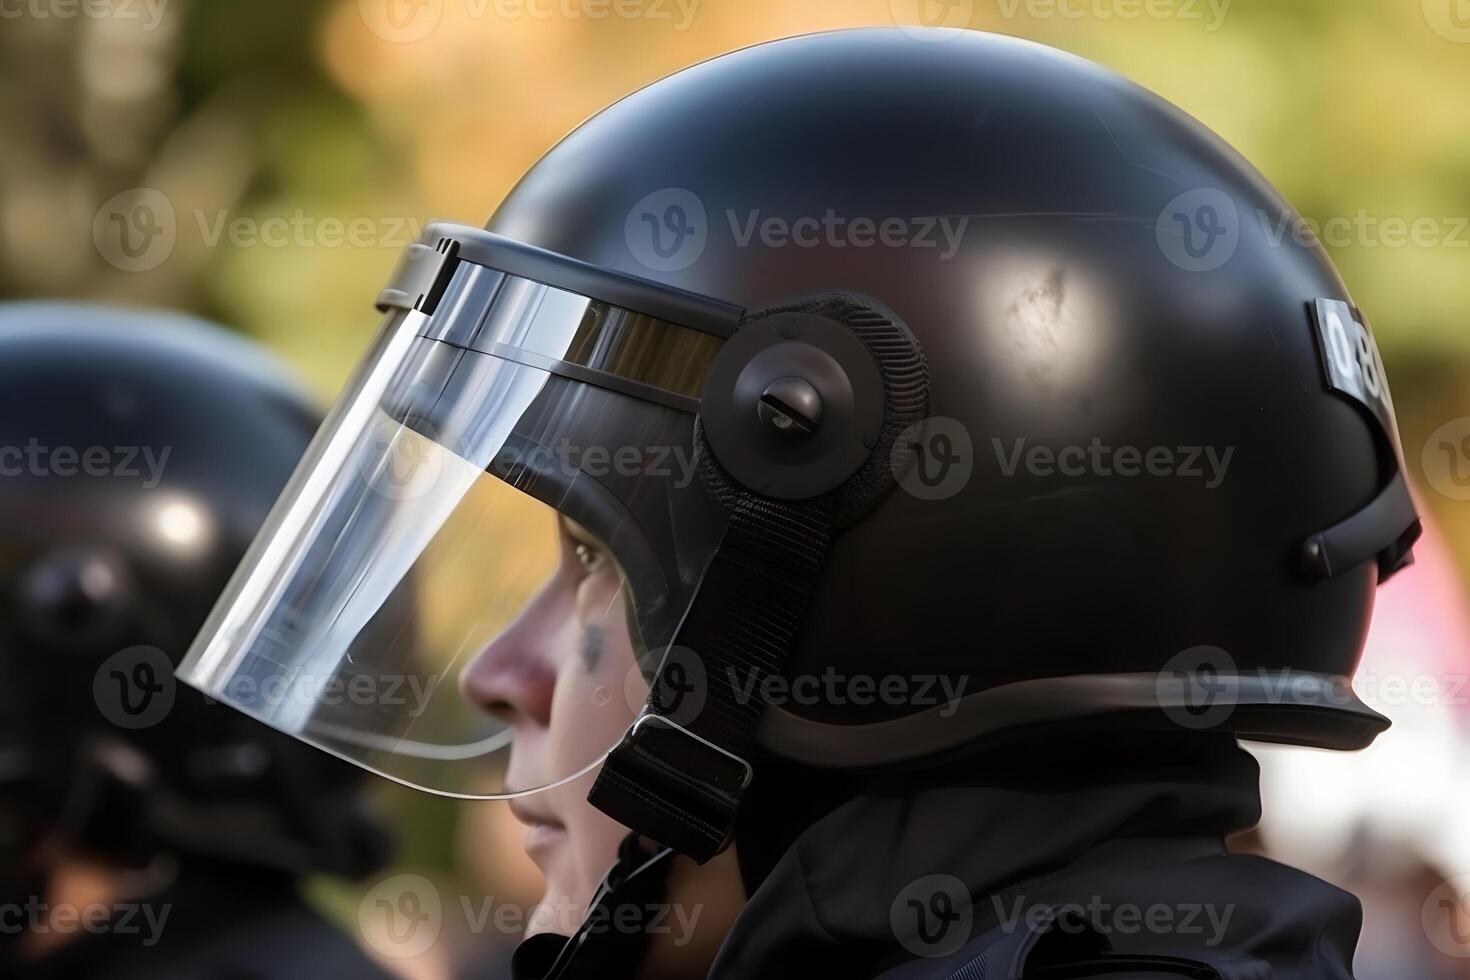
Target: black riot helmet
(997,383)
(139,453)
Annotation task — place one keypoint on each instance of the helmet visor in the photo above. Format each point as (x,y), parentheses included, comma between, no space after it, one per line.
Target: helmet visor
(499,523)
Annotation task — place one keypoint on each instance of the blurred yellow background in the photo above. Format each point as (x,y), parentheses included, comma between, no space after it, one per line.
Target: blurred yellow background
(274,157)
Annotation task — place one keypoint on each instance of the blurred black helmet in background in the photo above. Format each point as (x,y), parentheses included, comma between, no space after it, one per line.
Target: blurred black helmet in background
(139,453)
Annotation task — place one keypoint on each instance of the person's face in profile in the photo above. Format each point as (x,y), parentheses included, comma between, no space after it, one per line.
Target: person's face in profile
(560,676)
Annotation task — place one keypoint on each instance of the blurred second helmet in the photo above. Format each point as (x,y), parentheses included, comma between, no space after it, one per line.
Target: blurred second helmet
(1008,411)
(139,453)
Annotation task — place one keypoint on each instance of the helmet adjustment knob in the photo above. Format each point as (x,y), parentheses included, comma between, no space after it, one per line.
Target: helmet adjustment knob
(791,406)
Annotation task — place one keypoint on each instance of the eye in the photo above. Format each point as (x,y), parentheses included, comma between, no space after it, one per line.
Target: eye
(591,558)
(588,551)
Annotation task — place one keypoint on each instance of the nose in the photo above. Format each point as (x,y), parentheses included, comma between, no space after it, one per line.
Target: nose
(514,677)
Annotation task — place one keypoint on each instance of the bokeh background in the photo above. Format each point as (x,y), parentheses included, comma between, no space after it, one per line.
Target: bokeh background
(264,163)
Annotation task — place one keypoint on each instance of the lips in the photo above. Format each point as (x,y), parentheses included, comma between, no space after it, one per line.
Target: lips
(532,815)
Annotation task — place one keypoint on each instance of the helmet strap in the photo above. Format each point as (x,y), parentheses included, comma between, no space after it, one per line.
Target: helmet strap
(680,772)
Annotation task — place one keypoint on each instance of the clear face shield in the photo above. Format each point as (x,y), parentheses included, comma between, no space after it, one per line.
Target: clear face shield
(494,534)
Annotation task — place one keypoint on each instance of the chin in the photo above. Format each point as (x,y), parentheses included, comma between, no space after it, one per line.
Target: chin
(561,908)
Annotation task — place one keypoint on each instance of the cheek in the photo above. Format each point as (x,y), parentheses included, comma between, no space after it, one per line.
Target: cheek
(597,691)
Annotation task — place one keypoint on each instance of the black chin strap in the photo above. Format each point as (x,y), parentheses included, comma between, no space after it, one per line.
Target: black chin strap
(610,942)
(680,772)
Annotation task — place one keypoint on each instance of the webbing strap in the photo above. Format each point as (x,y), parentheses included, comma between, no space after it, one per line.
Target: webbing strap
(679,774)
